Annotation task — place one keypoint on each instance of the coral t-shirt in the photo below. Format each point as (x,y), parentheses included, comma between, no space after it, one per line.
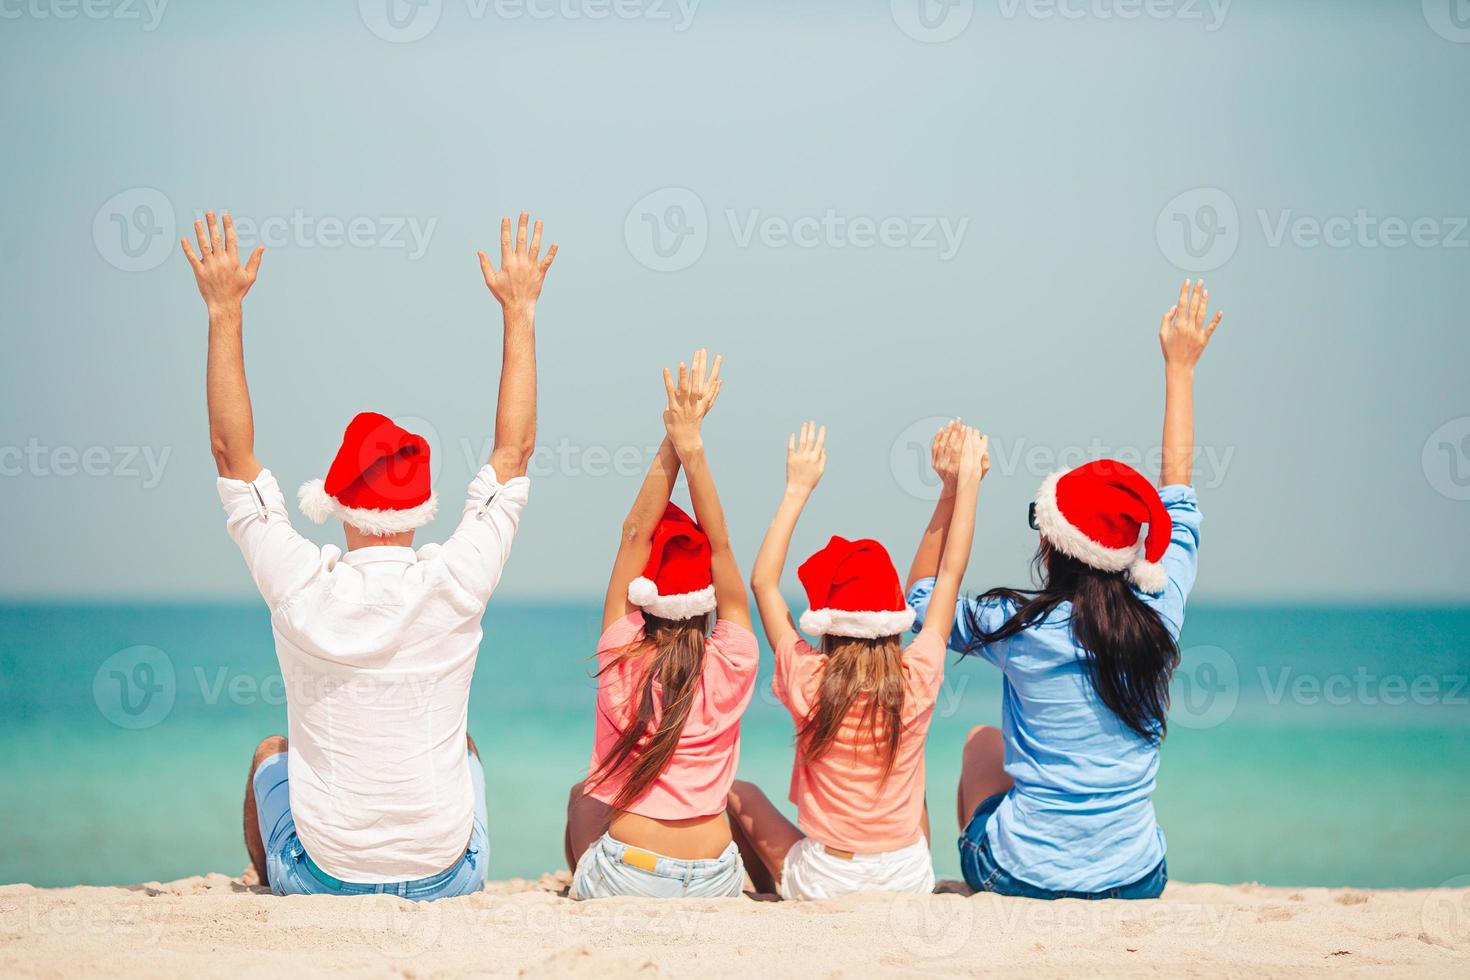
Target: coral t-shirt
(842,799)
(697,780)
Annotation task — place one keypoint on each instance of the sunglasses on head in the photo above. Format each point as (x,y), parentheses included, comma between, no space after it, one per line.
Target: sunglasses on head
(1031,517)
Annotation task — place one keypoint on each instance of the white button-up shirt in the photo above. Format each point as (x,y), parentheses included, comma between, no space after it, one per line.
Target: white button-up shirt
(377,648)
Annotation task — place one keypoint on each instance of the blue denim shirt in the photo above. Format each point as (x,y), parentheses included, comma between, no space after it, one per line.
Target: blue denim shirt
(1080,816)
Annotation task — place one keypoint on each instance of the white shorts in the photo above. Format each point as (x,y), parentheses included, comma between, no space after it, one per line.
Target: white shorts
(813,872)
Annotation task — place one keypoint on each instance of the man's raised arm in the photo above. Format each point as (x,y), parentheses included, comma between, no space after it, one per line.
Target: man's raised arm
(517,285)
(223,284)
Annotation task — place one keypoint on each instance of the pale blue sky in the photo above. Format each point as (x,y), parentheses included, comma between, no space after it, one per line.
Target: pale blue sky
(892,229)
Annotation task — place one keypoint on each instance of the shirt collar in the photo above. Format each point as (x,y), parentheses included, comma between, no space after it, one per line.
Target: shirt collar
(382,552)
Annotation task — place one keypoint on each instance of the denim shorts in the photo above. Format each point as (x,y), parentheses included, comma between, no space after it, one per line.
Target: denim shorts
(984,874)
(610,869)
(292,872)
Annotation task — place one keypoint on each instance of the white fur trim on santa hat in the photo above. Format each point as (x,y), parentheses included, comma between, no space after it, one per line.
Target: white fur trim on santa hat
(860,625)
(319,506)
(1149,576)
(642,592)
(1069,540)
(314,501)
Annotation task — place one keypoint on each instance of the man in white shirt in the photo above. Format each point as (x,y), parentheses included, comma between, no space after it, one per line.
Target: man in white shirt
(378,787)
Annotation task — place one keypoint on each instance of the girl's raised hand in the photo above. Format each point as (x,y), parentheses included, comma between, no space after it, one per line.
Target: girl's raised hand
(1183,334)
(944,454)
(691,400)
(806,458)
(974,455)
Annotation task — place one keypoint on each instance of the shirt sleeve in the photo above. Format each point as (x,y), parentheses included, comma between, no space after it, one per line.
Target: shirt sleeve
(799,668)
(477,551)
(737,656)
(923,667)
(970,615)
(1181,559)
(281,561)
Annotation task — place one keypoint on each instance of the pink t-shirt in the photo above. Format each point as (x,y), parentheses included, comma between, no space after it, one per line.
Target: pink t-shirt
(842,799)
(697,781)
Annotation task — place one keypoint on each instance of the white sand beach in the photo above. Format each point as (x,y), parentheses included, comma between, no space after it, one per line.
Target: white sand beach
(216,926)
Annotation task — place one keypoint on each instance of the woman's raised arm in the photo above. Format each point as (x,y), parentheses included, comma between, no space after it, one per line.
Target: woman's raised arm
(1183,337)
(806,458)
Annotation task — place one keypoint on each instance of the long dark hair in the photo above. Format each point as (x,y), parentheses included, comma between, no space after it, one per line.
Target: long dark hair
(857,668)
(672,651)
(1130,655)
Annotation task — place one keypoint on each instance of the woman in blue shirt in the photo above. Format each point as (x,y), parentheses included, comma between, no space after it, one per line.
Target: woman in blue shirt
(1056,804)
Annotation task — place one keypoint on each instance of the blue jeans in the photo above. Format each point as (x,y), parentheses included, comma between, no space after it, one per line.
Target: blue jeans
(984,874)
(292,871)
(611,869)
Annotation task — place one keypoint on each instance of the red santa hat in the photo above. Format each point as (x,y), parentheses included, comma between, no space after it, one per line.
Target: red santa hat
(1108,516)
(379,482)
(677,582)
(853,590)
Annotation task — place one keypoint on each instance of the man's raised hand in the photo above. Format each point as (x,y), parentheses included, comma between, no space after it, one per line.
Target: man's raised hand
(517,283)
(222,281)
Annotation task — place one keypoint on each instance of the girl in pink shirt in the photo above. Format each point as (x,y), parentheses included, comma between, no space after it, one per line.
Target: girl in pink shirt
(649,820)
(862,703)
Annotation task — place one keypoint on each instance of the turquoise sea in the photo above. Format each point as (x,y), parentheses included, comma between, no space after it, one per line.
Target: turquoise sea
(1309,746)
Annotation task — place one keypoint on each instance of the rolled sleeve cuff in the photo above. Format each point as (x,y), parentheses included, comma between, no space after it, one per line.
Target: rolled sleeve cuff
(1178,493)
(486,489)
(258,497)
(918,600)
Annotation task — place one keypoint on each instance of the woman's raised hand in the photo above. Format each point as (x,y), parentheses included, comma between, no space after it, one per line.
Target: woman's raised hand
(806,457)
(691,399)
(947,454)
(974,453)
(1183,334)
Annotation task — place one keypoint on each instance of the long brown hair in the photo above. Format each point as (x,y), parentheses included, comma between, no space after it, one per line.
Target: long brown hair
(870,669)
(1130,655)
(673,655)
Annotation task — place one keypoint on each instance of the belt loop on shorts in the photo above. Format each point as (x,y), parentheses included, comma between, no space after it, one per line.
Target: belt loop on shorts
(842,855)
